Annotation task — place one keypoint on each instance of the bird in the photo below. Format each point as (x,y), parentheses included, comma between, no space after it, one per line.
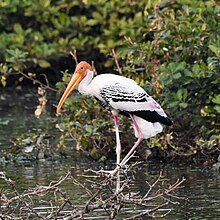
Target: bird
(119,95)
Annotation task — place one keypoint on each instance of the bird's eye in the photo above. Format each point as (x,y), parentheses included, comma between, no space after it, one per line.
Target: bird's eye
(82,68)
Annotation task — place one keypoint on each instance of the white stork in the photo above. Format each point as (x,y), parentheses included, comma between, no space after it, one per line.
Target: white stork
(120,95)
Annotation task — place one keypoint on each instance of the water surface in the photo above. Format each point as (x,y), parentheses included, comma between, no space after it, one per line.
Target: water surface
(17,117)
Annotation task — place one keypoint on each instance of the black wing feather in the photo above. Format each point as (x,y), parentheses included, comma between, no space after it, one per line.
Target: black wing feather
(117,94)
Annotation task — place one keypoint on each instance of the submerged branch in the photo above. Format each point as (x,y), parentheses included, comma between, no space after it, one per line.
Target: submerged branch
(103,193)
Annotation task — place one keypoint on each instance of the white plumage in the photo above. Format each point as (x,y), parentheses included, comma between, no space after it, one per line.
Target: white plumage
(115,87)
(120,95)
(147,128)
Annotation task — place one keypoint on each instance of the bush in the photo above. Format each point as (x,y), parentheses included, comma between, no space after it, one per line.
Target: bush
(171,48)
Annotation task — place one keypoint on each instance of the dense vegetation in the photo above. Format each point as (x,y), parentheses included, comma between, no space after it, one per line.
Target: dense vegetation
(171,48)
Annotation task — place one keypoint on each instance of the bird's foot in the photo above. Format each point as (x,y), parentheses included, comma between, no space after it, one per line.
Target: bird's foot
(106,173)
(103,173)
(110,173)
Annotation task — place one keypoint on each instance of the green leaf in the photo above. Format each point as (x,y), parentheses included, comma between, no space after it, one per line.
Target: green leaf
(181,66)
(177,75)
(216,99)
(183,105)
(196,69)
(3,81)
(213,48)
(217,108)
(179,94)
(89,129)
(92,22)
(17,28)
(43,63)
(97,16)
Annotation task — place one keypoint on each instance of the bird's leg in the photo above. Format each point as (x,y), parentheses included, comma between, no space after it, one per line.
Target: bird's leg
(140,138)
(118,151)
(118,143)
(130,153)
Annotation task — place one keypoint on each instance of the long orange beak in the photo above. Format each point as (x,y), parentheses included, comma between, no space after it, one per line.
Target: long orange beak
(75,80)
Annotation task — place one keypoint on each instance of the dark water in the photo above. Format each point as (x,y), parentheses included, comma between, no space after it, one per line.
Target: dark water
(16,117)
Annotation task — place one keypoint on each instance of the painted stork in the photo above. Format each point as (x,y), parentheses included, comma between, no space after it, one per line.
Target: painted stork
(120,95)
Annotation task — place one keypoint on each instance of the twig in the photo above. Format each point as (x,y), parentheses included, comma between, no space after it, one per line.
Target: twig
(29,207)
(101,195)
(93,68)
(151,186)
(93,197)
(36,81)
(76,182)
(7,180)
(41,189)
(116,61)
(148,212)
(74,56)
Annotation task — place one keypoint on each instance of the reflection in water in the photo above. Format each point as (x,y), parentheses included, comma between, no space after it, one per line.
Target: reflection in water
(16,111)
(17,114)
(202,188)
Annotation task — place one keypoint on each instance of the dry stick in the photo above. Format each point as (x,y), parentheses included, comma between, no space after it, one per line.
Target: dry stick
(7,217)
(116,61)
(166,191)
(66,200)
(7,180)
(57,183)
(32,211)
(147,212)
(124,200)
(165,214)
(151,186)
(175,197)
(96,194)
(41,189)
(60,208)
(115,197)
(186,209)
(107,203)
(76,182)
(45,77)
(88,208)
(36,81)
(52,210)
(93,68)
(140,201)
(74,56)
(36,191)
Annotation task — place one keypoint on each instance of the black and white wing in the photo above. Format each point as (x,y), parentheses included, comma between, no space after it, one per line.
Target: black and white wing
(125,96)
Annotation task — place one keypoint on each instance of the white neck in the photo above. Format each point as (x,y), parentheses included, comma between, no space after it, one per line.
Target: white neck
(84,84)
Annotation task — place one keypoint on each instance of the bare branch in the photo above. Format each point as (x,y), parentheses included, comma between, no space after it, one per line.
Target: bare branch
(74,56)
(31,77)
(101,193)
(116,61)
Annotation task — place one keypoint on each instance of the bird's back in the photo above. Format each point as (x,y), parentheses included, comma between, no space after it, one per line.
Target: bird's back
(125,96)
(108,79)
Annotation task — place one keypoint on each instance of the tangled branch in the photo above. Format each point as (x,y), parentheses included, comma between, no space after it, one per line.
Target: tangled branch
(100,194)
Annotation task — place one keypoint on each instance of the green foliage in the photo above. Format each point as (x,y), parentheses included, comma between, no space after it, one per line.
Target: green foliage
(90,126)
(30,147)
(171,48)
(190,77)
(90,130)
